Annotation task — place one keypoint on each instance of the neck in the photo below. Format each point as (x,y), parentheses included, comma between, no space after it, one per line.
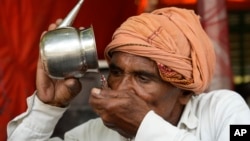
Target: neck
(176,115)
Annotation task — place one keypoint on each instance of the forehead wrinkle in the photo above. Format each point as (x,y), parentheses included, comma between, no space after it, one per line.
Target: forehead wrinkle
(138,63)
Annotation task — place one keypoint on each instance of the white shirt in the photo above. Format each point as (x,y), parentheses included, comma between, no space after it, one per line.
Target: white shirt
(206,117)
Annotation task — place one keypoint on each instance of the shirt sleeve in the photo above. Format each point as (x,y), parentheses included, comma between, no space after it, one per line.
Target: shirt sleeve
(37,123)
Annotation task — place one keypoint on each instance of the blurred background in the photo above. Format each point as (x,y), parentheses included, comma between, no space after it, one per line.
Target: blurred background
(227,22)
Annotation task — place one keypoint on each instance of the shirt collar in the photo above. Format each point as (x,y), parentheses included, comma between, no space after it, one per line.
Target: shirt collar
(188,118)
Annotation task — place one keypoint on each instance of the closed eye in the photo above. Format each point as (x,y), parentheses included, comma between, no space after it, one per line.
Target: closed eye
(146,77)
(115,70)
(143,79)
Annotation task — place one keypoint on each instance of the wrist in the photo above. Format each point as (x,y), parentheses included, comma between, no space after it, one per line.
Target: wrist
(49,99)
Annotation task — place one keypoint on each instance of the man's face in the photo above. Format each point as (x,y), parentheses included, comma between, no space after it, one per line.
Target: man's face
(140,75)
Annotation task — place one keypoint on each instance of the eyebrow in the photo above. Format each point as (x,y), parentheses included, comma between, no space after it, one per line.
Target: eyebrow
(113,66)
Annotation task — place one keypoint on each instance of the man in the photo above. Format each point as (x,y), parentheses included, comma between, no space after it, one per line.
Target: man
(160,64)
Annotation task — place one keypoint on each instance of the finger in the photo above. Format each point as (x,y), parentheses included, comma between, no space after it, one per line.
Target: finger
(52,26)
(81,28)
(58,21)
(42,34)
(103,93)
(96,93)
(73,85)
(55,25)
(39,62)
(97,100)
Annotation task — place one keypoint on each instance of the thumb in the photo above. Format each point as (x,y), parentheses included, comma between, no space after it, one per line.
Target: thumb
(73,85)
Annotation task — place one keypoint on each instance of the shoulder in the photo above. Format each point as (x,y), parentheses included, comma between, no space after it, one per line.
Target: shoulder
(220,97)
(221,105)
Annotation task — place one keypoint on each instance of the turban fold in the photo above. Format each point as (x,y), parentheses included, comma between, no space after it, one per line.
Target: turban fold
(175,40)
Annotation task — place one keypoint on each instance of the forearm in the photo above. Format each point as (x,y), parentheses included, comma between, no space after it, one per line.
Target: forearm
(37,123)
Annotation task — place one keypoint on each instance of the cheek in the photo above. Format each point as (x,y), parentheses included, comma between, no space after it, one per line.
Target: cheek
(112,82)
(163,102)
(152,95)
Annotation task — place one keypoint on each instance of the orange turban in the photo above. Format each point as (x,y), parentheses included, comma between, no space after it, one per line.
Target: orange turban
(175,40)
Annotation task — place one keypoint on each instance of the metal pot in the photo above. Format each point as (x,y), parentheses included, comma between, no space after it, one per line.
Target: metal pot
(67,51)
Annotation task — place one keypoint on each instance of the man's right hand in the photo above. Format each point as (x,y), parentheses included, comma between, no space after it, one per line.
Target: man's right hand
(52,91)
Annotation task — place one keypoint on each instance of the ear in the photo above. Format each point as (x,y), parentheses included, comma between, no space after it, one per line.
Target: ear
(185,97)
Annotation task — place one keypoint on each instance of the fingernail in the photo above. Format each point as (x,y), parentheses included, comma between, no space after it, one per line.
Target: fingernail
(96,91)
